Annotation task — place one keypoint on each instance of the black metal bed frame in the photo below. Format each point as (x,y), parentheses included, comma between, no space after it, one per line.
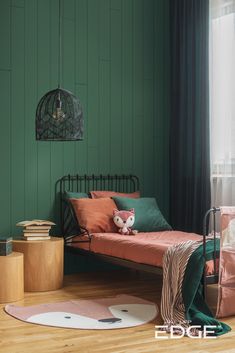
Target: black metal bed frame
(210,222)
(119,183)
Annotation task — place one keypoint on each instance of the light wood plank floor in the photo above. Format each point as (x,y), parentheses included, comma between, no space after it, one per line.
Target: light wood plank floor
(20,337)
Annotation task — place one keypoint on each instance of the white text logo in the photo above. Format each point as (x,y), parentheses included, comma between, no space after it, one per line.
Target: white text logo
(178,331)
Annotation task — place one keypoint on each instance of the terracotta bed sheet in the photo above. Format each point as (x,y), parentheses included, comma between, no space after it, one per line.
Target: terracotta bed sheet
(145,248)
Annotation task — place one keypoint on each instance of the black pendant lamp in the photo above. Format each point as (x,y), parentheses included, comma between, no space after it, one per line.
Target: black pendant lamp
(59,114)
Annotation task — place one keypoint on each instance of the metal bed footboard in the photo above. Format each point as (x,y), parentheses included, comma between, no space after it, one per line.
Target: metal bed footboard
(210,221)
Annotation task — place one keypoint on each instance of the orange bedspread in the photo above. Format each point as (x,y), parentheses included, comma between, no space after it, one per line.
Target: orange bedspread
(145,248)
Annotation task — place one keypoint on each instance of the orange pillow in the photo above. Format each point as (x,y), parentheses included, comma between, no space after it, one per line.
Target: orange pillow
(100,194)
(95,215)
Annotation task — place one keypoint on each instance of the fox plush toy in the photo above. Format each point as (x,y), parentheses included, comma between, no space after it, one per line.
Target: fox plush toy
(124,220)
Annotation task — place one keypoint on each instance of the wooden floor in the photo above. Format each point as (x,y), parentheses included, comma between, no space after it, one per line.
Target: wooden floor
(21,337)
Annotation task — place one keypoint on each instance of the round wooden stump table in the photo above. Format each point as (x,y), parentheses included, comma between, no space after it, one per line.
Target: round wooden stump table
(43,263)
(12,277)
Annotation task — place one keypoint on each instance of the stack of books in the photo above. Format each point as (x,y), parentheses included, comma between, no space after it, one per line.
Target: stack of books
(36,229)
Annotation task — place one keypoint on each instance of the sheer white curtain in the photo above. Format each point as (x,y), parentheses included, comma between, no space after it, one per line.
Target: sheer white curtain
(222,101)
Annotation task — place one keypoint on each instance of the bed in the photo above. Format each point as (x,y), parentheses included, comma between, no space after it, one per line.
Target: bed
(143,251)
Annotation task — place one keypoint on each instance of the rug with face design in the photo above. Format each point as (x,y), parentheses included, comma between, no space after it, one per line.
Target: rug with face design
(94,314)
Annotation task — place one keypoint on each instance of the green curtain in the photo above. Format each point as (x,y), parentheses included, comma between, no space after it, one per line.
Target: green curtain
(189,135)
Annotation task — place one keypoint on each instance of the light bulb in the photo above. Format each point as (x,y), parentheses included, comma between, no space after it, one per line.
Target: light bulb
(58,114)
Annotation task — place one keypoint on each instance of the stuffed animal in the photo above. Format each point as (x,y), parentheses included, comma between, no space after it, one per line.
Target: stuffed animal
(124,220)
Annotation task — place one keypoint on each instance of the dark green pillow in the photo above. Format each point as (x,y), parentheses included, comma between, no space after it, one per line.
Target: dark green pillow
(75,195)
(72,224)
(148,217)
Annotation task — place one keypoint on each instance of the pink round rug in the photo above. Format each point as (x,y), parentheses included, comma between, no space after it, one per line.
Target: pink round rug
(95,314)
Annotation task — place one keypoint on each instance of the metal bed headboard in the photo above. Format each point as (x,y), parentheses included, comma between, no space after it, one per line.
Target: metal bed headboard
(87,183)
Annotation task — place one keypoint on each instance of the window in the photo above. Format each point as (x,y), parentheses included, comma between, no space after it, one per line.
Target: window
(222,101)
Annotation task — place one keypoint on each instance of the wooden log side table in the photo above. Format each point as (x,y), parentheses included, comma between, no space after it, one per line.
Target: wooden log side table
(43,263)
(12,277)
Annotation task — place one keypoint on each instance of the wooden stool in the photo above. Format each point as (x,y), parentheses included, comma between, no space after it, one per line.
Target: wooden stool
(43,263)
(12,277)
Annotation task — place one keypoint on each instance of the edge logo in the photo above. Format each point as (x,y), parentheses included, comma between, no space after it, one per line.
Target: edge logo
(178,331)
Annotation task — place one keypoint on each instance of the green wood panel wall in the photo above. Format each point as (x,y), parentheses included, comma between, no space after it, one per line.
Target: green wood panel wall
(116,60)
(161,107)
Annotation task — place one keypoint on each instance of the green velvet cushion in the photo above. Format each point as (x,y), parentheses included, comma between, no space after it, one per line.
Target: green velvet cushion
(75,195)
(74,226)
(148,217)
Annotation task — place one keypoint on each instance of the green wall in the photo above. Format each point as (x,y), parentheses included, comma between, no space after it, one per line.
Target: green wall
(116,60)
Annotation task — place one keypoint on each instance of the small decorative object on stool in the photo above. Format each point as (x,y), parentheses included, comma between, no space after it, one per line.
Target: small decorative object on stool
(5,245)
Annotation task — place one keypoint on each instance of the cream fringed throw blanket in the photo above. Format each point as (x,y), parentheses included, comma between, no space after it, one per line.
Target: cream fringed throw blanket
(174,264)
(182,300)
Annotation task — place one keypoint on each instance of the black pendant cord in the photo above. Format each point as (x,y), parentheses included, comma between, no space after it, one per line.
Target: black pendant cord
(60,49)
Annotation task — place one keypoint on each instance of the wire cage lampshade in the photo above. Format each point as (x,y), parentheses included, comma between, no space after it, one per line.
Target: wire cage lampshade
(59,114)
(59,117)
